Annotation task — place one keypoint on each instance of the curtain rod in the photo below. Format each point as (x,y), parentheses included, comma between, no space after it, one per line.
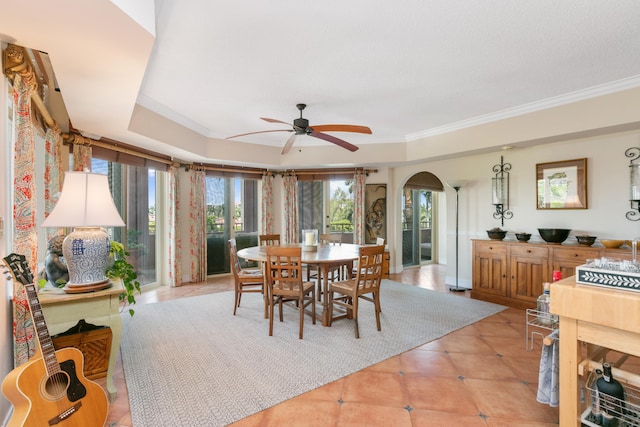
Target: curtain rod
(74,138)
(230,169)
(326,171)
(15,60)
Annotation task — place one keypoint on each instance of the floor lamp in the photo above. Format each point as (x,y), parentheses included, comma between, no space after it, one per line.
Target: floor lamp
(457,186)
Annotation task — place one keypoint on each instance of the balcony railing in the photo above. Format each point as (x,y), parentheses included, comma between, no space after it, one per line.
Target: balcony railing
(423,225)
(238,227)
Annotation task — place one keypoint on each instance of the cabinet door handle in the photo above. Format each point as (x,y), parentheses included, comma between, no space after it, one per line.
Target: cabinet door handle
(528,251)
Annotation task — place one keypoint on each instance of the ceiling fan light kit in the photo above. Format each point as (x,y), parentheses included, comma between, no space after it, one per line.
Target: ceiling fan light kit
(301,126)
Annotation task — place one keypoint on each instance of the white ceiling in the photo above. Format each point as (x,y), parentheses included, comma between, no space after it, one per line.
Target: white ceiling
(405,69)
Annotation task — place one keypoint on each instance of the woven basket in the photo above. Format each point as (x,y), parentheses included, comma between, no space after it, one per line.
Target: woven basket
(95,345)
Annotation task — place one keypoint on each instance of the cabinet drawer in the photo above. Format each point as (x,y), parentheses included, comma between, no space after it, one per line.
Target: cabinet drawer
(576,253)
(529,250)
(491,247)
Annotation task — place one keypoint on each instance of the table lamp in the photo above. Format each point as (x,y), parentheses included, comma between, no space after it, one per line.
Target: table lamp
(86,204)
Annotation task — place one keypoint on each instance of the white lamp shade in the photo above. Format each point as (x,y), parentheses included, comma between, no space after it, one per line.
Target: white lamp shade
(85,201)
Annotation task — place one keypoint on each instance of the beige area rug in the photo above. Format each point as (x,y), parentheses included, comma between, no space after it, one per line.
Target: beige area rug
(190,362)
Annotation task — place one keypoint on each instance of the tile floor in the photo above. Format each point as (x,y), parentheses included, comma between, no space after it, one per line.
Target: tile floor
(480,375)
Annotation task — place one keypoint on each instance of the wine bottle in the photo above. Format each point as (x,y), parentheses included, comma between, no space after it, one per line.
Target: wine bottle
(611,397)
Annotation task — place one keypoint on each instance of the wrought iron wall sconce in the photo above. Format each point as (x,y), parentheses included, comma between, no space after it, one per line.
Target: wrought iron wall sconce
(634,185)
(500,191)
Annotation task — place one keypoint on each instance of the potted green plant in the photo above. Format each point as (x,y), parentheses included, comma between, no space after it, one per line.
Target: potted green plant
(123,270)
(136,250)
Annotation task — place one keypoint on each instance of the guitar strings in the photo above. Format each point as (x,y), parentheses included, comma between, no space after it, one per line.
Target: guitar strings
(55,377)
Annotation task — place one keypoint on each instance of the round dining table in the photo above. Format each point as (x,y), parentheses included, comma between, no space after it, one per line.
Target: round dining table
(324,256)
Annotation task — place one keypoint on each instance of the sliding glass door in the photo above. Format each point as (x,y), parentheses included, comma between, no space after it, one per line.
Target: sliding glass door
(326,206)
(232,211)
(417,226)
(134,193)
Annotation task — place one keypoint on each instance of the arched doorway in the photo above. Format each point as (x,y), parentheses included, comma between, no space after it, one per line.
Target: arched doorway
(419,201)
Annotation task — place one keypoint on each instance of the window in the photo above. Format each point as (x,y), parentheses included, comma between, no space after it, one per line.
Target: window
(134,193)
(232,211)
(341,206)
(417,226)
(326,206)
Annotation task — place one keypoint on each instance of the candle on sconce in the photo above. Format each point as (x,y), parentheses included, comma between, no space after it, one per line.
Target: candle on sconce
(497,193)
(635,182)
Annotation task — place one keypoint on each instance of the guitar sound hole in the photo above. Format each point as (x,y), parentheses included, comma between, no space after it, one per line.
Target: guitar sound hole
(56,385)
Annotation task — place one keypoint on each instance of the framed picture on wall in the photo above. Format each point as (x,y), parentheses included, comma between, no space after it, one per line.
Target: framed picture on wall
(375,211)
(562,185)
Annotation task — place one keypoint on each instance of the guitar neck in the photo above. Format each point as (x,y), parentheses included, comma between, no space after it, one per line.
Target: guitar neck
(44,339)
(19,269)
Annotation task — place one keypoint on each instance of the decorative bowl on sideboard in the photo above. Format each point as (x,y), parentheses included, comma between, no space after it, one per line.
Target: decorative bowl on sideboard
(554,236)
(586,240)
(611,244)
(523,237)
(496,234)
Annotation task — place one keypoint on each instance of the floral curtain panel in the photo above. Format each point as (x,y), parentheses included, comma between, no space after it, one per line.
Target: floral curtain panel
(173,228)
(24,216)
(358,208)
(52,174)
(82,157)
(198,228)
(267,204)
(290,183)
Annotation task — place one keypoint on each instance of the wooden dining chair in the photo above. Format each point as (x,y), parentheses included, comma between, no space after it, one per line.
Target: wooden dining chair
(246,280)
(285,284)
(366,286)
(335,272)
(269,239)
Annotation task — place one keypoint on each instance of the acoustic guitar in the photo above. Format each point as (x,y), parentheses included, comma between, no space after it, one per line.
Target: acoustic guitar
(50,389)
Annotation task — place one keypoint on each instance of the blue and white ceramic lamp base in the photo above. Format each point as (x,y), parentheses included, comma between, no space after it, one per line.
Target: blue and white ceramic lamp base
(86,252)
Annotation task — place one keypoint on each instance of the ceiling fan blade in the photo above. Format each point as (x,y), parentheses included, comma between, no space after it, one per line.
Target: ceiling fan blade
(289,144)
(334,140)
(341,128)
(266,119)
(262,131)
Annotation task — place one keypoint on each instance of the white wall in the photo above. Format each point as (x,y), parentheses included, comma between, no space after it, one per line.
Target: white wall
(607,193)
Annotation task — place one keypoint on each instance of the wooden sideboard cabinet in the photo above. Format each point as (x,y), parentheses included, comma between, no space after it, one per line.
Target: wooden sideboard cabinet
(511,273)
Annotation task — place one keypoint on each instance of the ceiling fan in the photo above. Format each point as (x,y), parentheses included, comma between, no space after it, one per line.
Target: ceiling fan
(301,126)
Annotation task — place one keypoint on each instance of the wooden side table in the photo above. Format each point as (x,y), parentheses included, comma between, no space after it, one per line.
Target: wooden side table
(63,311)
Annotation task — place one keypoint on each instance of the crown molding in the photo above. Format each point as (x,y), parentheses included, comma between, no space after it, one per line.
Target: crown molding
(556,101)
